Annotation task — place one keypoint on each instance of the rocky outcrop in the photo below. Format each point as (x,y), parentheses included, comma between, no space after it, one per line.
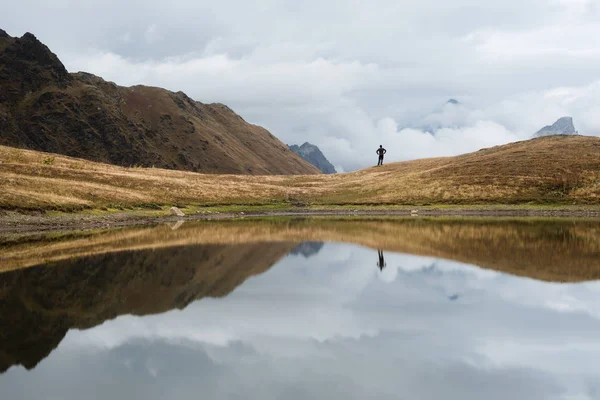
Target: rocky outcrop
(312,154)
(26,66)
(562,126)
(45,108)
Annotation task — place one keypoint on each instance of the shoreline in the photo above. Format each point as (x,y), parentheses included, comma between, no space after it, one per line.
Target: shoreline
(17,222)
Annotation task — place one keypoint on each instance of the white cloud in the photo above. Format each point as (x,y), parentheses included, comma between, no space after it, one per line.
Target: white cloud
(152,35)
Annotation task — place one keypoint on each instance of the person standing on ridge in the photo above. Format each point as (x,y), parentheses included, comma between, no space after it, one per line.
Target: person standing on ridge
(380,151)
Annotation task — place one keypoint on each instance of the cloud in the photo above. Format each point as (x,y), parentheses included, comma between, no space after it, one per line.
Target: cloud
(152,35)
(337,75)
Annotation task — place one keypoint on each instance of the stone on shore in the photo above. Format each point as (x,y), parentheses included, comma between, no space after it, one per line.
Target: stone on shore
(176,211)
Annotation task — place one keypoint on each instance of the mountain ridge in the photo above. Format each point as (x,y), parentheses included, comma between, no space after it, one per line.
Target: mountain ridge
(43,107)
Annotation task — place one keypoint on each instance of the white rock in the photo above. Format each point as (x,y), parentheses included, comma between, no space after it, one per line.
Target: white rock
(176,211)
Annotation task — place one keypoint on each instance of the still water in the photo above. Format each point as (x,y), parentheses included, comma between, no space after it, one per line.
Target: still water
(304,309)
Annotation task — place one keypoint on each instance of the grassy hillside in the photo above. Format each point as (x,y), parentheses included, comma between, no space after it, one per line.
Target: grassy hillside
(44,107)
(550,170)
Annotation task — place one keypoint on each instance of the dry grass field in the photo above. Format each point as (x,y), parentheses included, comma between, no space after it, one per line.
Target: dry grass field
(549,170)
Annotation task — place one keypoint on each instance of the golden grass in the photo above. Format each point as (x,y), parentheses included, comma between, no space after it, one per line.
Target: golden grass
(559,170)
(552,250)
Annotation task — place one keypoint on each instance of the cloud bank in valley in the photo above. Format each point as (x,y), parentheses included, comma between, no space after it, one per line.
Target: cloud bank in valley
(348,76)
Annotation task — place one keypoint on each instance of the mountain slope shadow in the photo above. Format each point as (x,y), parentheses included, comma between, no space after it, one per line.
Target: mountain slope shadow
(40,304)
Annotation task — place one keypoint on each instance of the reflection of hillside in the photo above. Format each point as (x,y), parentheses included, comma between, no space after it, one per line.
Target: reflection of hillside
(553,250)
(38,305)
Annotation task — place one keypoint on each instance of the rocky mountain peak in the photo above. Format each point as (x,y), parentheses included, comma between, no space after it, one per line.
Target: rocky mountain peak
(311,153)
(29,48)
(562,126)
(28,65)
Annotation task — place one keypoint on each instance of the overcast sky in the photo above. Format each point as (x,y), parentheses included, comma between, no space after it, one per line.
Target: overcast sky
(334,327)
(347,75)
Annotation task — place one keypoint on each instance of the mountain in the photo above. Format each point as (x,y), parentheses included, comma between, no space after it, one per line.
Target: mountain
(562,126)
(452,114)
(313,155)
(44,107)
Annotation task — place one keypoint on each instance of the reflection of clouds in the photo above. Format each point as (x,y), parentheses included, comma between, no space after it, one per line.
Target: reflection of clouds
(341,369)
(335,326)
(388,274)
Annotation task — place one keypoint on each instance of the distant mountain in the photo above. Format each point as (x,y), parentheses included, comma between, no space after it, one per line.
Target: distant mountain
(450,114)
(562,126)
(312,154)
(44,107)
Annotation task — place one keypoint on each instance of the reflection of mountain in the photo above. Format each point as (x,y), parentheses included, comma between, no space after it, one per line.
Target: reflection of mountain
(38,305)
(307,249)
(552,250)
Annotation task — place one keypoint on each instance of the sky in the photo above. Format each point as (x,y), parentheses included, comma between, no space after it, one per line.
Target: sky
(333,326)
(347,75)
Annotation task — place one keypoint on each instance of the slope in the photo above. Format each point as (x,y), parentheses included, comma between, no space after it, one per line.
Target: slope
(43,107)
(555,169)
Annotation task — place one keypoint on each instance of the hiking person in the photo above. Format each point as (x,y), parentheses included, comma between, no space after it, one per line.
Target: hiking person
(380,151)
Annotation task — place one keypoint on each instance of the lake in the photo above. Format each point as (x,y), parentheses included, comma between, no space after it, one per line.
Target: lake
(304,308)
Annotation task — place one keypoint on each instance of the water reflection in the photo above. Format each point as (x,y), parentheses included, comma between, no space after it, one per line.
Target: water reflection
(38,305)
(553,250)
(307,249)
(249,322)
